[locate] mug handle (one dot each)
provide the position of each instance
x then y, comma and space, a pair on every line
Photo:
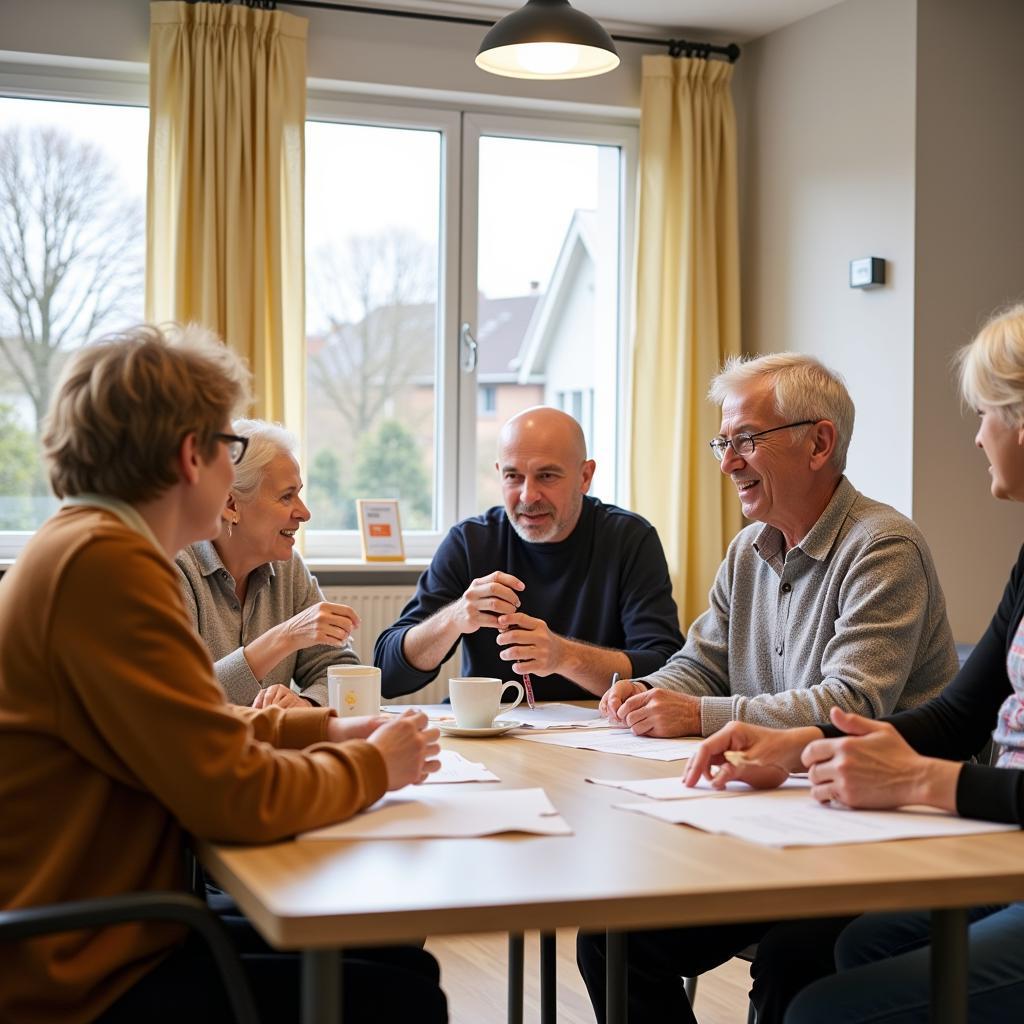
503, 708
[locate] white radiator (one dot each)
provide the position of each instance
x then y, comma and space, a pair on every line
378, 608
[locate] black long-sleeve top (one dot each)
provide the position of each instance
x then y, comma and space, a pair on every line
607, 583
956, 724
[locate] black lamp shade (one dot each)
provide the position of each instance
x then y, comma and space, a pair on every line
547, 39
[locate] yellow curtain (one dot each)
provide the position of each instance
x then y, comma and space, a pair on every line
687, 315
224, 238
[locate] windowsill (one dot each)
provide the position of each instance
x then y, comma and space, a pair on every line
343, 565
340, 567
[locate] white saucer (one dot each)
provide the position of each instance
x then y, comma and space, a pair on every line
493, 730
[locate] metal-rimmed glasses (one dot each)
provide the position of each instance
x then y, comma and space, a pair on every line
236, 446
743, 444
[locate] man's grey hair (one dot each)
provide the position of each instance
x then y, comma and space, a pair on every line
805, 389
266, 442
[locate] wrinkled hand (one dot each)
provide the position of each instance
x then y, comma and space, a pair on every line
410, 750
661, 713
323, 623
530, 644
486, 599
358, 727
283, 696
871, 767
613, 697
776, 750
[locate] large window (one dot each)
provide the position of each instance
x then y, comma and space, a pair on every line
460, 268
72, 205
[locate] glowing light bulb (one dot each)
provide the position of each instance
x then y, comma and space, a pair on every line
547, 58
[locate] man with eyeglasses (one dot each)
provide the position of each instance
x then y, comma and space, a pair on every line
828, 599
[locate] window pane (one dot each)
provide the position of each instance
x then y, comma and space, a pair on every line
72, 230
372, 249
547, 313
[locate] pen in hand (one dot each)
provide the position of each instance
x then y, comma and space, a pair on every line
528, 687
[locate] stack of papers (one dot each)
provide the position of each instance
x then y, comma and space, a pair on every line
672, 788
556, 716
621, 741
420, 812
793, 819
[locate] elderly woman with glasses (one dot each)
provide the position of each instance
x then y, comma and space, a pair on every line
924, 756
116, 742
251, 597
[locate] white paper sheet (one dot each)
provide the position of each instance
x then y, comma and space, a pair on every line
620, 741
556, 716
433, 812
435, 712
456, 768
672, 788
794, 819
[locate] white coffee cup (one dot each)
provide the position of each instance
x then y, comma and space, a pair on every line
476, 700
354, 689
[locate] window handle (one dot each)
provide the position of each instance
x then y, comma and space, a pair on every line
467, 349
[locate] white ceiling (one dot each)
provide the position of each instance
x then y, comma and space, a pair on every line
740, 20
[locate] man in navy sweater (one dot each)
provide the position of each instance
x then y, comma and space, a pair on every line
556, 583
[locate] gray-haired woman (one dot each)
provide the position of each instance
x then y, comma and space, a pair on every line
253, 601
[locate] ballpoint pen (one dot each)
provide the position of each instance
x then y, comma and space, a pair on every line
528, 687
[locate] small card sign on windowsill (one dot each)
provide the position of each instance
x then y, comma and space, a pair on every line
380, 530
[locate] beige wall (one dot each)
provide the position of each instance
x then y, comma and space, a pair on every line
970, 259
892, 128
826, 115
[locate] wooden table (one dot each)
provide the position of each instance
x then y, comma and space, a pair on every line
618, 871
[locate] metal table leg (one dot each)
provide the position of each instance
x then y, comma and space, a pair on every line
615, 978
949, 967
321, 986
548, 989
515, 978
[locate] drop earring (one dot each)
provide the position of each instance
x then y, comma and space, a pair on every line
230, 526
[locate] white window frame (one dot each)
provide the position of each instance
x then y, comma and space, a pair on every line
28, 76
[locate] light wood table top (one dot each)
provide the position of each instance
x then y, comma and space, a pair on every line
619, 870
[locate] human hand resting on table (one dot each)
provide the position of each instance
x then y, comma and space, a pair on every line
873, 766
614, 696
661, 713
769, 755
530, 644
410, 750
283, 696
485, 600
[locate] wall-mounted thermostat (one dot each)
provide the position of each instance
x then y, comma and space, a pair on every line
867, 273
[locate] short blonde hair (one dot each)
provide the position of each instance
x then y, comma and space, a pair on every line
124, 404
266, 442
991, 367
805, 389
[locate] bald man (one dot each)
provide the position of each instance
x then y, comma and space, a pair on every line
555, 583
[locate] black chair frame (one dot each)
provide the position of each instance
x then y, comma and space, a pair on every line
31, 922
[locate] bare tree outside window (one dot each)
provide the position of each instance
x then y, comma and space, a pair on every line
71, 259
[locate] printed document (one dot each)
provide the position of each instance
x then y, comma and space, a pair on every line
794, 819
672, 788
620, 741
434, 812
456, 768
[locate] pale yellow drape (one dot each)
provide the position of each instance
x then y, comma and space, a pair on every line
687, 315
224, 239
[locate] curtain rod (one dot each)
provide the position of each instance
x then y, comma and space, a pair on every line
676, 47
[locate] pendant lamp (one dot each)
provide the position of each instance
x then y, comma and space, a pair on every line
547, 39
